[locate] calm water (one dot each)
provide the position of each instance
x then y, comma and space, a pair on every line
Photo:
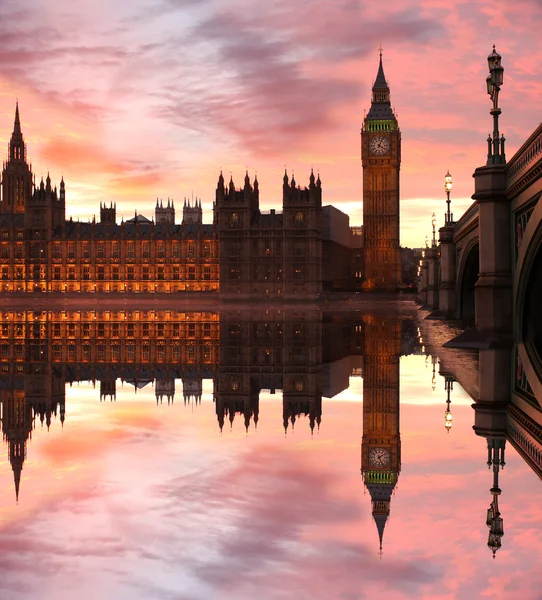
267, 454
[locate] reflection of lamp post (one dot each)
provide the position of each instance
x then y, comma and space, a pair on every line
448, 217
434, 378
434, 224
448, 386
494, 521
495, 146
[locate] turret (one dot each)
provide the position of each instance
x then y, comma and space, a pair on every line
108, 214
192, 212
164, 214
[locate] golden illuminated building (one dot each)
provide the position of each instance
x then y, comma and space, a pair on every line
381, 160
244, 252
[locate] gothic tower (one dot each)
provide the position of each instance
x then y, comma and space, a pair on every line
381, 160
192, 212
164, 214
381, 442
16, 174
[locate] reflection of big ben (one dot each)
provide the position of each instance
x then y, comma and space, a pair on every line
381, 160
381, 442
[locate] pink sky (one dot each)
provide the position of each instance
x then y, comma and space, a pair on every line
134, 500
146, 99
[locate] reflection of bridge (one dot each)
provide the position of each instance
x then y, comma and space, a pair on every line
506, 408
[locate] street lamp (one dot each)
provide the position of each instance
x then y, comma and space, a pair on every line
448, 218
434, 224
494, 81
448, 386
426, 244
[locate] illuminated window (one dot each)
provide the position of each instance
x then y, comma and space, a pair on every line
101, 250
191, 352
234, 221
299, 219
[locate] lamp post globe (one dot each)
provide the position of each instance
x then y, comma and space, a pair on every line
448, 217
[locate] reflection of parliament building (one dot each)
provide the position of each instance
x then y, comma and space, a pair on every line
300, 251
307, 355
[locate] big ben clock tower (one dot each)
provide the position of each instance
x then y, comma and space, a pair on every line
381, 442
381, 160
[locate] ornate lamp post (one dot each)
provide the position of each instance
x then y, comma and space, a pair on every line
434, 224
494, 81
434, 378
448, 386
448, 217
494, 521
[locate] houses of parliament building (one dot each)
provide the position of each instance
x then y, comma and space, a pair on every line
244, 252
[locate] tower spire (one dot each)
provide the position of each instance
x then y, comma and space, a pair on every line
381, 91
17, 124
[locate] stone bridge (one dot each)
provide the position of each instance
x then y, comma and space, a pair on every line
486, 269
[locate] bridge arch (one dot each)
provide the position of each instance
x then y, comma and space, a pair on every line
529, 293
467, 278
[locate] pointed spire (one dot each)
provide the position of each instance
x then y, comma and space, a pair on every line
285, 178
17, 478
380, 521
17, 124
380, 81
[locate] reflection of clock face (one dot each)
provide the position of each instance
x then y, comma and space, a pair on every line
378, 457
379, 145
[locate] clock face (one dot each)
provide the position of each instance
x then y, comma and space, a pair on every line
379, 145
378, 457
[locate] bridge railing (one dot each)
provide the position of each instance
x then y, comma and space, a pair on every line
524, 158
467, 218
